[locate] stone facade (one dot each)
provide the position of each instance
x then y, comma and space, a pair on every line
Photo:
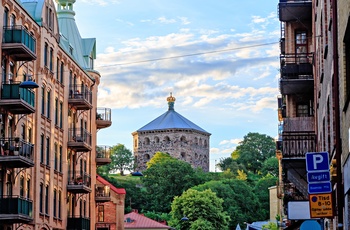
174, 134
187, 145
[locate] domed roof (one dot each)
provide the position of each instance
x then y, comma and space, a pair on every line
171, 120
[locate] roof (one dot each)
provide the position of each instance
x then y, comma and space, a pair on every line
171, 120
113, 188
134, 220
71, 41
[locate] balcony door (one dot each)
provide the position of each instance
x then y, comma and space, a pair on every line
301, 47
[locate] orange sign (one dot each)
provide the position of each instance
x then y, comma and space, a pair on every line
321, 205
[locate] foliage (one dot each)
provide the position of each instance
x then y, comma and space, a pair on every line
122, 159
270, 166
261, 190
202, 208
241, 175
239, 200
158, 216
165, 180
158, 157
270, 226
254, 150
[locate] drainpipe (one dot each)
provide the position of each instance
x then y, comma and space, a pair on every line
338, 145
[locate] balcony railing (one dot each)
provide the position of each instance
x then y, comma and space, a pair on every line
102, 193
16, 153
14, 209
299, 124
80, 97
297, 144
103, 118
19, 43
78, 222
294, 10
17, 100
79, 182
103, 155
79, 139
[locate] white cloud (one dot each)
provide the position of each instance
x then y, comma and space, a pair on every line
231, 141
166, 20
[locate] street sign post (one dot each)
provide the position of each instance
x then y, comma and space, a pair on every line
321, 187
321, 205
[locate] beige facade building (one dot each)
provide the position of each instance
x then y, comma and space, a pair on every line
48, 127
174, 134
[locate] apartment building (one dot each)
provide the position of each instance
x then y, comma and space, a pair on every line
327, 33
297, 131
48, 118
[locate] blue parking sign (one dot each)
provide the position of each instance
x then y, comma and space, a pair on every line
317, 161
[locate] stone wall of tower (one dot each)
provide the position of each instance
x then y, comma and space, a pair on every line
187, 145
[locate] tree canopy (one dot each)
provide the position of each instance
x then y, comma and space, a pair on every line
202, 208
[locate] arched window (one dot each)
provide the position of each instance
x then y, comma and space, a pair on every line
183, 139
156, 140
147, 141
147, 157
166, 139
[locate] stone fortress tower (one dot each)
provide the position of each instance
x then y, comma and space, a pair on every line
174, 134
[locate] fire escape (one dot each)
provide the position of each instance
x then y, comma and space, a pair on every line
295, 105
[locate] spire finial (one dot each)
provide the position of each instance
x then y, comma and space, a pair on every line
171, 101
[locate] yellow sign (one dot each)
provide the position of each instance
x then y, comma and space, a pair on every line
321, 205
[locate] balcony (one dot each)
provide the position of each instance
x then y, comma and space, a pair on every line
296, 73
17, 100
80, 97
79, 140
19, 43
103, 155
79, 182
15, 210
102, 193
294, 10
16, 153
103, 118
78, 222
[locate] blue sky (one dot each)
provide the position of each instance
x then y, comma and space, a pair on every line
219, 58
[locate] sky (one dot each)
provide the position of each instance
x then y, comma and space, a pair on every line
219, 59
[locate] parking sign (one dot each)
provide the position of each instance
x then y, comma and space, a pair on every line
317, 161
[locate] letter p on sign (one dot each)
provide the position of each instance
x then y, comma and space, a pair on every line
317, 161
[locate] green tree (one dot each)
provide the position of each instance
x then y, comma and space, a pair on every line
202, 208
240, 202
166, 179
158, 157
122, 159
254, 150
270, 226
261, 190
270, 166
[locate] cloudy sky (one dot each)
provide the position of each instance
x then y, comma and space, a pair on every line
219, 58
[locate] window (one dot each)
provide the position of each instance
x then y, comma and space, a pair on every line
60, 158
21, 187
12, 20
54, 203
41, 194
48, 104
28, 188
56, 111
56, 157
51, 59
61, 72
61, 114
23, 132
43, 100
9, 184
30, 135
6, 16
47, 200
59, 203
48, 151
42, 148
46, 50
57, 69
347, 61
147, 141
302, 110
100, 213
301, 46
